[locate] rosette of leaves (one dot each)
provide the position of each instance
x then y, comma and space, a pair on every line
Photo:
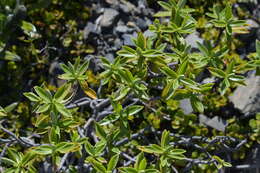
47, 103
165, 151
77, 73
19, 162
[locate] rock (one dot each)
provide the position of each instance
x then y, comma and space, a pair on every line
128, 7
112, 1
109, 17
110, 57
149, 33
252, 23
121, 29
127, 39
141, 23
192, 39
54, 71
216, 122
118, 43
90, 28
186, 106
247, 98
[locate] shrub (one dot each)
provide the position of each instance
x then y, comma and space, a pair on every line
134, 123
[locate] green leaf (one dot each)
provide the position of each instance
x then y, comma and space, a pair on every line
125, 76
226, 164
131, 110
105, 61
169, 72
224, 85
89, 148
228, 12
43, 108
237, 23
183, 67
178, 151
203, 49
3, 113
181, 3
122, 93
129, 49
217, 72
32, 97
142, 164
257, 43
28, 28
66, 68
100, 131
170, 88
11, 107
62, 109
97, 165
125, 53
141, 41
99, 147
28, 157
113, 162
165, 138
54, 134
44, 94
230, 67
165, 5
196, 104
139, 158
109, 119
8, 161
14, 155
10, 56
43, 150
128, 170
190, 83
83, 68
153, 148
176, 156
62, 92
236, 78
151, 171
162, 14
229, 29
66, 147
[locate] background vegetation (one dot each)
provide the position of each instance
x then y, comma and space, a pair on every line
127, 115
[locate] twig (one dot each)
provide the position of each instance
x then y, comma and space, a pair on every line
63, 160
25, 143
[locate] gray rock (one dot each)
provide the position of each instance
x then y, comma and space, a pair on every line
90, 28
112, 1
247, 98
141, 23
118, 43
252, 23
149, 33
109, 17
110, 57
128, 7
121, 29
127, 39
191, 39
54, 71
186, 106
216, 122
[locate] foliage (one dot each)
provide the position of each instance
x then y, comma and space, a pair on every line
133, 122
